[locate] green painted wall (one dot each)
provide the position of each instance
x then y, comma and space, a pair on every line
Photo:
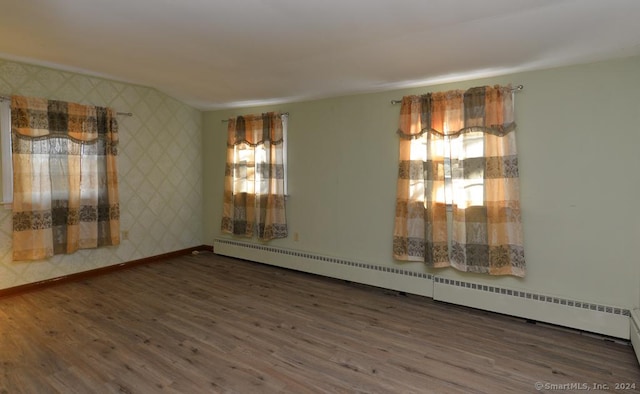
577, 138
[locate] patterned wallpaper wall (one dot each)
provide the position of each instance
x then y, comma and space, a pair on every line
159, 165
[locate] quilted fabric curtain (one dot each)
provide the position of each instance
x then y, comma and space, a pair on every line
65, 194
458, 195
254, 186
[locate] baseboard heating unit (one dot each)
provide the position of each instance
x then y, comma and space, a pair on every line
601, 319
634, 334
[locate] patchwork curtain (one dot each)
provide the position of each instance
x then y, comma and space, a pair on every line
254, 185
65, 194
458, 196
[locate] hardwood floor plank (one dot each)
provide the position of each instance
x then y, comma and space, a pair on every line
205, 323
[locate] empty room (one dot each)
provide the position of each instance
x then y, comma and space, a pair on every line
278, 196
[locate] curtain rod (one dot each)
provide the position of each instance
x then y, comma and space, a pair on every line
5, 97
226, 120
516, 89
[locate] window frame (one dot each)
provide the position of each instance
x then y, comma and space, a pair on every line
5, 151
285, 165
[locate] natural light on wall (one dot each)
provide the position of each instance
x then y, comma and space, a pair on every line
5, 151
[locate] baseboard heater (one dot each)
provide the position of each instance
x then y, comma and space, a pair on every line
634, 328
601, 319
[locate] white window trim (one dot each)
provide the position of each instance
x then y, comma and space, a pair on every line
285, 125
5, 151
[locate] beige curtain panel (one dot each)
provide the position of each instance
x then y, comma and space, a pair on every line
254, 188
458, 195
65, 194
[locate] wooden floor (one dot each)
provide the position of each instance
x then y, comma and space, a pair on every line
200, 324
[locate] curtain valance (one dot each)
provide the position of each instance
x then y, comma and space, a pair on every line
37, 118
487, 109
256, 129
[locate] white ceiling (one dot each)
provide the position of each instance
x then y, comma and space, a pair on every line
218, 54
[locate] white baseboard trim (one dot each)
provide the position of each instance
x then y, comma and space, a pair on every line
601, 319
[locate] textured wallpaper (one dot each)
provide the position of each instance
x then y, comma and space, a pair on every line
159, 166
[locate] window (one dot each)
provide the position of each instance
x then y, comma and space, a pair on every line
466, 189
255, 176
251, 165
454, 152
458, 196
5, 150
65, 180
